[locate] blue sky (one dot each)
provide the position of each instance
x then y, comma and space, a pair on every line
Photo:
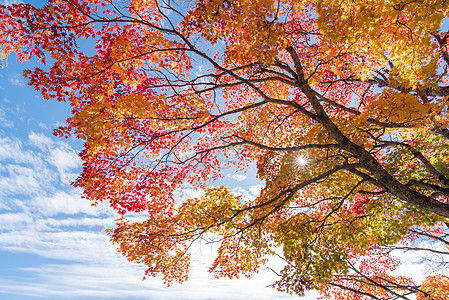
52, 242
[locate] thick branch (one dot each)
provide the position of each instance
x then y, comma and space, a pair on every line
367, 160
439, 92
430, 168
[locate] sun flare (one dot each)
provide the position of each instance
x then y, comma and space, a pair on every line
301, 161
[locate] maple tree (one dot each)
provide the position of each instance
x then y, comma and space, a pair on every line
342, 106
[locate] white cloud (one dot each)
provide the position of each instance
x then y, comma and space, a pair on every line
64, 160
95, 269
18, 179
16, 80
255, 189
76, 222
239, 191
77, 246
237, 177
63, 203
9, 2
5, 122
123, 281
11, 149
185, 193
40, 140
59, 154
43, 126
419, 264
12, 221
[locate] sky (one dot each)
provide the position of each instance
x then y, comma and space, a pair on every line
52, 241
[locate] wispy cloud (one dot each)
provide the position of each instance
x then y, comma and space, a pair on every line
62, 202
16, 79
9, 2
18, 178
11, 149
3, 121
40, 141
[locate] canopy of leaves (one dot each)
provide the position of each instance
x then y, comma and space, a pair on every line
341, 105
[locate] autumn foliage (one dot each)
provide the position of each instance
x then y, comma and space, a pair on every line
341, 105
